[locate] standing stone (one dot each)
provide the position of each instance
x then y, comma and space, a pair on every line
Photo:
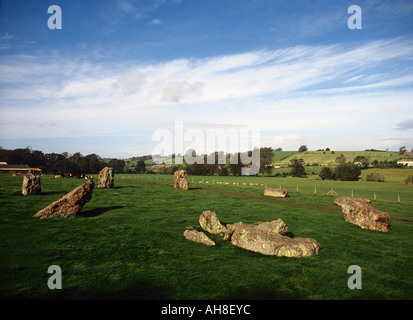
360, 212
106, 178
281, 193
180, 180
70, 204
208, 221
31, 184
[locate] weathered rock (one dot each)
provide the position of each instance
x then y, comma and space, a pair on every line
275, 226
180, 180
31, 184
264, 241
209, 221
198, 236
70, 204
106, 178
360, 212
280, 192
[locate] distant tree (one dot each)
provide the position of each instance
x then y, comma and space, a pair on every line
402, 150
117, 165
364, 161
140, 167
302, 148
326, 174
223, 171
347, 171
327, 149
340, 159
235, 165
281, 149
94, 163
126, 169
297, 168
266, 156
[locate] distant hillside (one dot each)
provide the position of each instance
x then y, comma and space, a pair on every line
320, 158
328, 158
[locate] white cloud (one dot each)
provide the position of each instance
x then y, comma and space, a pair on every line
156, 22
6, 37
293, 95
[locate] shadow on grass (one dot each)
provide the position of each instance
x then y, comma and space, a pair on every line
140, 290
19, 193
97, 211
53, 192
263, 293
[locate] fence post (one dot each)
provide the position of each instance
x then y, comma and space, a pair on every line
315, 189
375, 196
398, 198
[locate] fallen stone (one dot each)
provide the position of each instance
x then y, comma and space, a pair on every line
360, 212
180, 180
106, 178
70, 204
264, 241
31, 184
209, 221
280, 192
198, 236
275, 226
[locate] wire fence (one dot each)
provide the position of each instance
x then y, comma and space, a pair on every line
374, 191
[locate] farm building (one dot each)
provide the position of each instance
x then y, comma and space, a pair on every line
405, 162
14, 168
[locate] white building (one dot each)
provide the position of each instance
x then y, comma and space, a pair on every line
405, 162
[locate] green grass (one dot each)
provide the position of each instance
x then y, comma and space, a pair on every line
128, 241
390, 175
329, 158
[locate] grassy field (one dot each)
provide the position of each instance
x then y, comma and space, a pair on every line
329, 158
128, 242
390, 175
313, 159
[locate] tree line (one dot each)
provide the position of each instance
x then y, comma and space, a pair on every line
211, 165
77, 164
60, 163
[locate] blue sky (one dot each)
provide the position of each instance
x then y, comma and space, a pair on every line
119, 70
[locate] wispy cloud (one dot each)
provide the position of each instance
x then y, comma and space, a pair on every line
140, 8
156, 22
289, 93
4, 41
405, 125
